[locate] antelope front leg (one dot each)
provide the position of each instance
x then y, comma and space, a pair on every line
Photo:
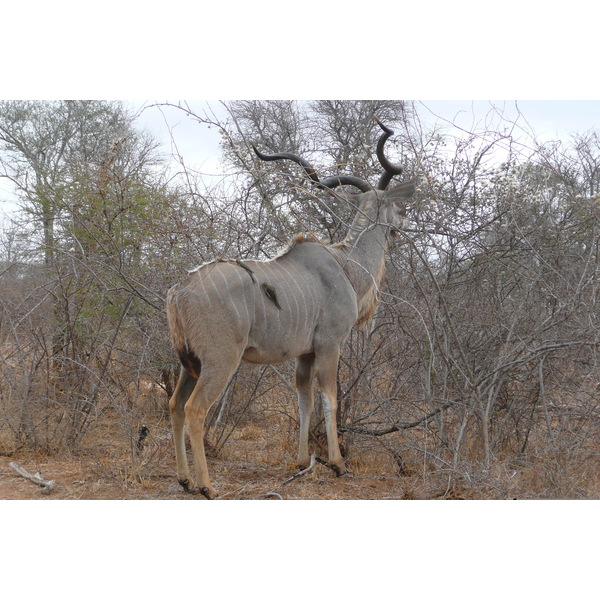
304, 379
326, 370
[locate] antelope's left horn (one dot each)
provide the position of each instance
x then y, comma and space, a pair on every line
391, 169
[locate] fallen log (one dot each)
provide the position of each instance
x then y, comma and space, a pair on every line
47, 484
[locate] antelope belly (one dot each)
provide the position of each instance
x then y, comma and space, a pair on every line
276, 351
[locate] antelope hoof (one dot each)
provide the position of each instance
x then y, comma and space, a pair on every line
185, 484
209, 493
340, 471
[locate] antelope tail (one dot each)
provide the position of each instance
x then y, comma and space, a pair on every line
189, 360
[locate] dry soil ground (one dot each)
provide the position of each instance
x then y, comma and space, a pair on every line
240, 472
87, 478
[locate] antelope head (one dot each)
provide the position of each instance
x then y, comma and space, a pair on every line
375, 204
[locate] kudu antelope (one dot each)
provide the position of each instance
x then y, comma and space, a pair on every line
301, 304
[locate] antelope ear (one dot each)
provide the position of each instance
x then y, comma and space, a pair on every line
402, 191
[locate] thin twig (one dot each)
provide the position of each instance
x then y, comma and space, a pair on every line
273, 492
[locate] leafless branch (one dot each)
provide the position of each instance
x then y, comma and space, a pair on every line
398, 426
47, 484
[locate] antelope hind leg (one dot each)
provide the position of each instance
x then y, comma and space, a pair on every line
213, 379
195, 412
184, 388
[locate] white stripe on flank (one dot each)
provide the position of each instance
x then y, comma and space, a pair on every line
233, 302
261, 295
240, 275
204, 292
210, 277
287, 280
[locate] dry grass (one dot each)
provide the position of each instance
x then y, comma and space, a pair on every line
259, 454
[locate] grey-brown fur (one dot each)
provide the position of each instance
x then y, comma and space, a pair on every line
300, 305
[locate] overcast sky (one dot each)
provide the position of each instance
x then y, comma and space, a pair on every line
544, 119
